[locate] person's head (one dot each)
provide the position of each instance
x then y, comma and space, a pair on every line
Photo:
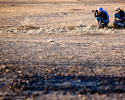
100, 9
117, 9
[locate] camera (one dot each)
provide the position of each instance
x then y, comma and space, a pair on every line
95, 11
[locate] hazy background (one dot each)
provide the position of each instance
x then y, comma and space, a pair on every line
55, 13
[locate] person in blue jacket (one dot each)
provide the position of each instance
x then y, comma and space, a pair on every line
102, 17
119, 16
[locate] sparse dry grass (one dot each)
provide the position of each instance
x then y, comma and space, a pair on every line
27, 22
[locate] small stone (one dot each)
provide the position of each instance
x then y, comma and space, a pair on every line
24, 31
12, 31
84, 98
50, 40
6, 60
29, 99
103, 96
31, 31
19, 72
31, 75
79, 95
7, 71
15, 76
27, 82
2, 66
10, 87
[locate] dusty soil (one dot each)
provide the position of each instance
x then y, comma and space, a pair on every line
54, 13
67, 67
62, 55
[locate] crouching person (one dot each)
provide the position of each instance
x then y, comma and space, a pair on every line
119, 17
102, 17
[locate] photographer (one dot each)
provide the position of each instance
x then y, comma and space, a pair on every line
102, 17
119, 17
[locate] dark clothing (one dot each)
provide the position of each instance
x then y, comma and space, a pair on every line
119, 24
120, 16
122, 13
102, 15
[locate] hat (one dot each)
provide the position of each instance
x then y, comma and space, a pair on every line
100, 9
117, 9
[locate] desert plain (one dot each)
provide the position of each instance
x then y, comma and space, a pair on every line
52, 50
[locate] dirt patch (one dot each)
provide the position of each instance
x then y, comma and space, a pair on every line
62, 13
58, 53
33, 67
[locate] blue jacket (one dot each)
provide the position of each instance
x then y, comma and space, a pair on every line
104, 15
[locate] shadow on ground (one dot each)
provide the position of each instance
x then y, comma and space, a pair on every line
26, 83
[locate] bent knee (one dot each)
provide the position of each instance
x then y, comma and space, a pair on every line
98, 18
116, 22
